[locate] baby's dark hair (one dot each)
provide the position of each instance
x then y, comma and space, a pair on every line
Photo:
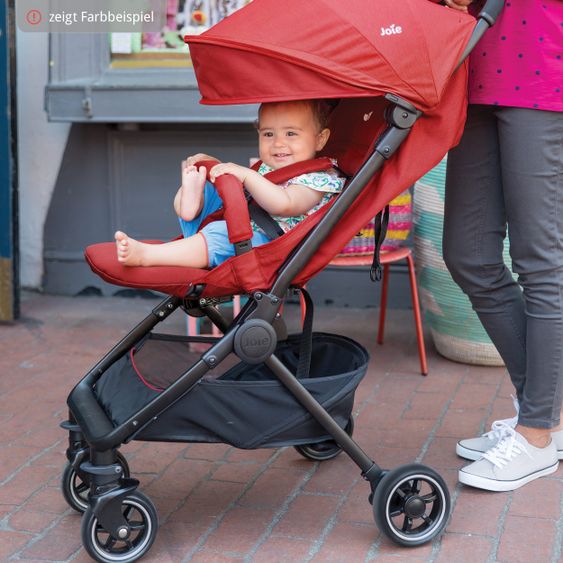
321, 110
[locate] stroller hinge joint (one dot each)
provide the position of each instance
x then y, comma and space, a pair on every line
255, 341
267, 306
373, 474
167, 307
402, 114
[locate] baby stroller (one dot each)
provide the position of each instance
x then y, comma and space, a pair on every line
391, 65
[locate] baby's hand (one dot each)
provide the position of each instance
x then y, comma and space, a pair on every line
240, 172
199, 157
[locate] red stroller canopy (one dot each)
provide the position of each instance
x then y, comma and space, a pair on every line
295, 49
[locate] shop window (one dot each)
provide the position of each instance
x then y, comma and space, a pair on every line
166, 48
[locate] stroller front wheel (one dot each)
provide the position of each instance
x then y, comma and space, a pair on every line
323, 451
142, 520
75, 484
411, 504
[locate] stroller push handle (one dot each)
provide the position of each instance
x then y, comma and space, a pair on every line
491, 11
487, 18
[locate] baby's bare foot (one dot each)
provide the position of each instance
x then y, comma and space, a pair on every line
191, 192
130, 252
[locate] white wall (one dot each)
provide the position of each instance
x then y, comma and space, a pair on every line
40, 150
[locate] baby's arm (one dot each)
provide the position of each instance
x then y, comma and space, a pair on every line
291, 201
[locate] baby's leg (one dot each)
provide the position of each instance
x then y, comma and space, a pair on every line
189, 252
191, 191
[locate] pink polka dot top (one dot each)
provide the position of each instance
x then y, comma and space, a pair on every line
518, 62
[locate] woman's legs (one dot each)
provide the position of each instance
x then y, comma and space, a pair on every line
474, 231
532, 168
508, 169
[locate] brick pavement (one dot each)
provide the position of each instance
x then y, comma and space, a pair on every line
216, 503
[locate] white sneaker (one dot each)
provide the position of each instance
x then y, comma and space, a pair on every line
511, 463
474, 448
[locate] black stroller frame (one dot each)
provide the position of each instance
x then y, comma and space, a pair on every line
411, 503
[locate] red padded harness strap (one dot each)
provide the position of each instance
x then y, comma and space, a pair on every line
305, 167
235, 206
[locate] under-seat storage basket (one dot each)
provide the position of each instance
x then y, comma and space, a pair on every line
246, 406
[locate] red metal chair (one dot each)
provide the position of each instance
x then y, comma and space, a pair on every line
387, 258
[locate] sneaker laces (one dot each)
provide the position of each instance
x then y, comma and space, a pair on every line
507, 448
498, 427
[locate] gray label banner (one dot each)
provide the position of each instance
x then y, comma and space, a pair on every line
102, 16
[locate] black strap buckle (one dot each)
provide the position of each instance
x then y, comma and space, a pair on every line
243, 247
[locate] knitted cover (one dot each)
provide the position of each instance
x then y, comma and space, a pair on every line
400, 225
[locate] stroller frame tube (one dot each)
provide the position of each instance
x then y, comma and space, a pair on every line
362, 460
487, 18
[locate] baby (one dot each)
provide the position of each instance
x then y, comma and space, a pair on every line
288, 132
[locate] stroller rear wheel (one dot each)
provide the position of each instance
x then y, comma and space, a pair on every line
328, 449
75, 484
142, 520
411, 504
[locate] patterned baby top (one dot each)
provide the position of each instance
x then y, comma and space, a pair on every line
327, 181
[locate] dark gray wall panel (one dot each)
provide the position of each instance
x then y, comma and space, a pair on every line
113, 178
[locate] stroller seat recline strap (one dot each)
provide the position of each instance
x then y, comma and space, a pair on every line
265, 221
306, 346
380, 231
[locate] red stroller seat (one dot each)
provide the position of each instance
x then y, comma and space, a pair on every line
356, 125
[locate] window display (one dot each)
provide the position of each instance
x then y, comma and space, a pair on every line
166, 47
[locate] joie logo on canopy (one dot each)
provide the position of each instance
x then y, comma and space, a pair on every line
391, 30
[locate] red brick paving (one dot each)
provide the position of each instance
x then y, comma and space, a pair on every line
220, 504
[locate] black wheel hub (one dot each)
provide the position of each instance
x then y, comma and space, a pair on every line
414, 507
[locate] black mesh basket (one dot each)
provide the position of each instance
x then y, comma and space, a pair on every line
246, 406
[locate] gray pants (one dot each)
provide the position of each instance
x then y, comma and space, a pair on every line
508, 170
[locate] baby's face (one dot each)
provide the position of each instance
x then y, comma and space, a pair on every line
288, 133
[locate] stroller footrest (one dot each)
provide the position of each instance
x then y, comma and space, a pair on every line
94, 422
